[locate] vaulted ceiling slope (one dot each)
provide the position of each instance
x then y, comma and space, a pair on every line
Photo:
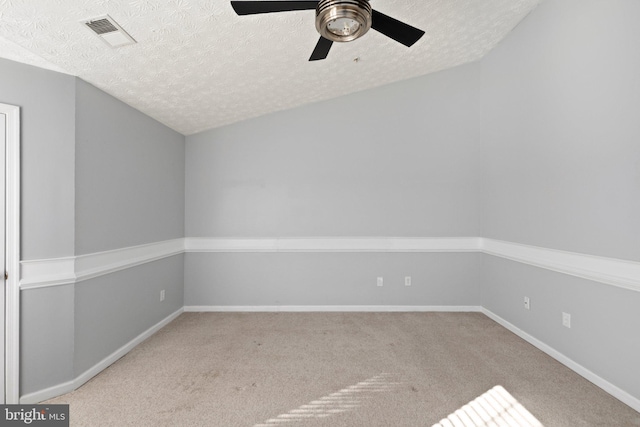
197, 65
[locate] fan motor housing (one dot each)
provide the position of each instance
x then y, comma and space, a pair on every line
343, 20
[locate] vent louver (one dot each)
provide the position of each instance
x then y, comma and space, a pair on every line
102, 26
109, 31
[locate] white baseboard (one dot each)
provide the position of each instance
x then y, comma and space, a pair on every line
332, 308
81, 379
48, 393
613, 390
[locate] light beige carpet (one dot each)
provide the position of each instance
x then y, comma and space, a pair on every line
333, 369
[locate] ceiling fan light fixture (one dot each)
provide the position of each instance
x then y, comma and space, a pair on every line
343, 20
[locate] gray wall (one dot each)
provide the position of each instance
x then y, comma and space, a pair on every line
47, 107
129, 191
399, 160
604, 319
94, 171
129, 169
112, 310
561, 169
560, 130
46, 337
331, 279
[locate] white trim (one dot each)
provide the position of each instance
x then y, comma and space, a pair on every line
41, 273
611, 271
81, 379
12, 253
331, 308
334, 244
48, 393
68, 270
613, 390
100, 263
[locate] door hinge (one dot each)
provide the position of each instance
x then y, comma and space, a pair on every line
6, 276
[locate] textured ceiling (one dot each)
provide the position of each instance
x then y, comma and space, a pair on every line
197, 65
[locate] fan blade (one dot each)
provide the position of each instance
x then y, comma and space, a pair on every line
399, 31
254, 7
322, 49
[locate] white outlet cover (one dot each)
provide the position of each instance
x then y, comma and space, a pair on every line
527, 303
566, 320
407, 281
380, 281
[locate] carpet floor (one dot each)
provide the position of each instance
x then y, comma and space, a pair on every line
336, 369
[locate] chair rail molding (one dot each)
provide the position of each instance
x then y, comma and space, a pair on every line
67, 270
611, 271
334, 244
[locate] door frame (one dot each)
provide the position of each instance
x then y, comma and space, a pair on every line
12, 254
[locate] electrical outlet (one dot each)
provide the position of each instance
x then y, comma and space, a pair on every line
380, 281
566, 320
527, 303
407, 281
162, 295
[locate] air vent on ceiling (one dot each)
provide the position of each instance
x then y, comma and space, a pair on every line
109, 31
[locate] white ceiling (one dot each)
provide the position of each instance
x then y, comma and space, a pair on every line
197, 65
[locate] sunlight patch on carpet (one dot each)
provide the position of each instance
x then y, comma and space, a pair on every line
344, 400
492, 409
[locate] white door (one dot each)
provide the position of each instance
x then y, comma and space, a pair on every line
3, 140
9, 253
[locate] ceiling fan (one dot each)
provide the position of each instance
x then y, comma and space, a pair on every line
337, 21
